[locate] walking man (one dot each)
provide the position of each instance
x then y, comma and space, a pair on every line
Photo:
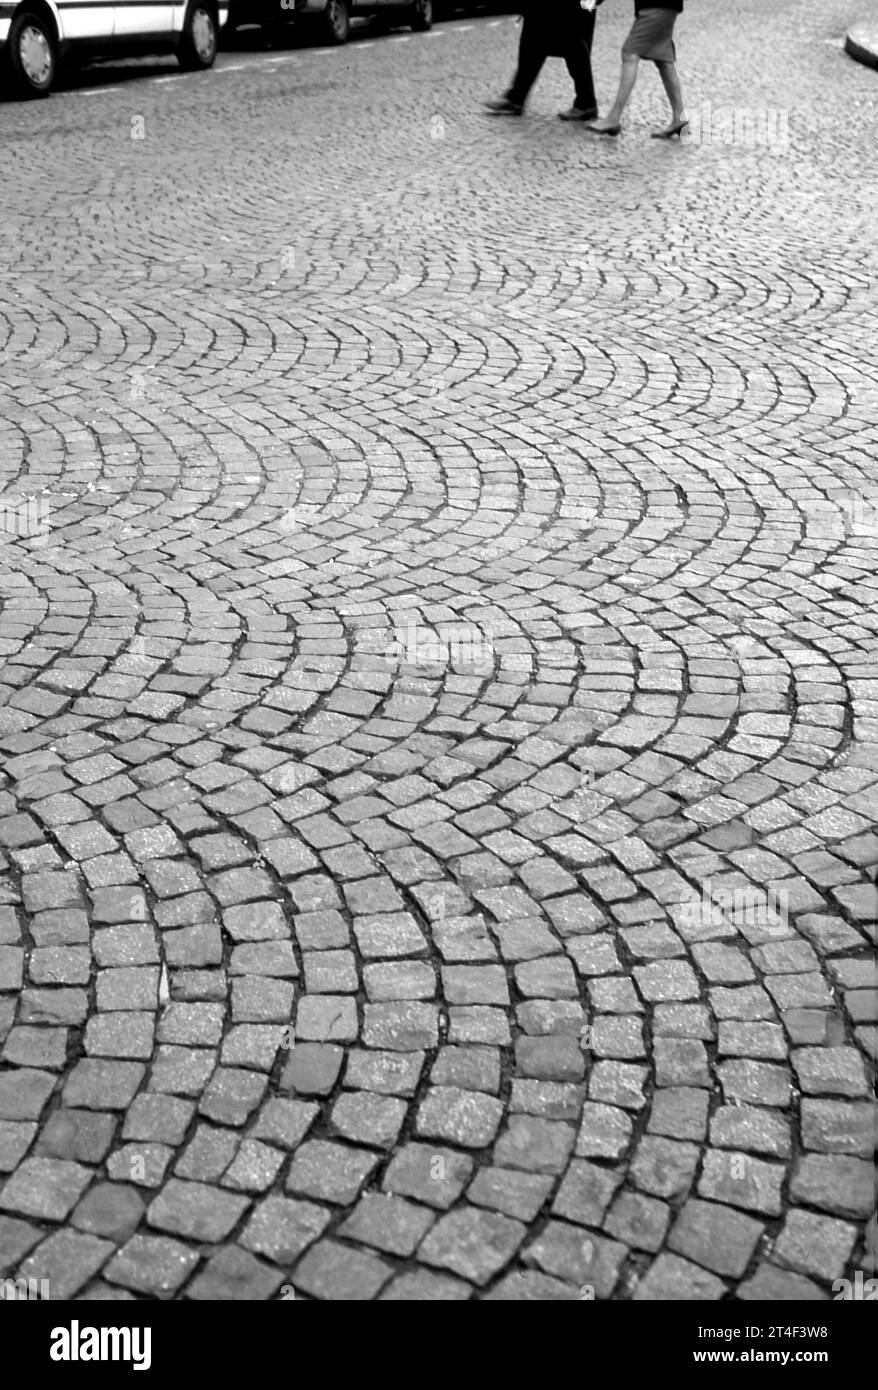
554, 29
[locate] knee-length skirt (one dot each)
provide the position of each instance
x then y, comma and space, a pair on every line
652, 36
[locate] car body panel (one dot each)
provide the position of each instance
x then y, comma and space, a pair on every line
267, 11
144, 19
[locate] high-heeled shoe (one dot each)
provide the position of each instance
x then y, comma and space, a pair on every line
603, 130
676, 129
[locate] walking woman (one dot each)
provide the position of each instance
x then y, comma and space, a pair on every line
553, 28
652, 37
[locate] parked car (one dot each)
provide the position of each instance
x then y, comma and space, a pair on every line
329, 20
35, 35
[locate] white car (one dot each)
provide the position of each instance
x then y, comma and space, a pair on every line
35, 34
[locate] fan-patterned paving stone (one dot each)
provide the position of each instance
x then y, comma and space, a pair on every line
438, 675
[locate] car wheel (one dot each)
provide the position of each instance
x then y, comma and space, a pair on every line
32, 54
200, 38
335, 22
421, 15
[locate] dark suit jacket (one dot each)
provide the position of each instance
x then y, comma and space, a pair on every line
559, 23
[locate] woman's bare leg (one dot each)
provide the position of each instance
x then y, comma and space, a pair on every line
671, 80
630, 64
668, 74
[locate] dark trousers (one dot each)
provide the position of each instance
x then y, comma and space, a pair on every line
535, 48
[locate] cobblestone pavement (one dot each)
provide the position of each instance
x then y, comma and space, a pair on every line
440, 684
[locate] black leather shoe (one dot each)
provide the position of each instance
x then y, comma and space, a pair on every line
576, 113
502, 106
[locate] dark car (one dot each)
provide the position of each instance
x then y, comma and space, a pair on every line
329, 20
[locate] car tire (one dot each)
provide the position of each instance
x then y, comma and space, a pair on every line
199, 41
32, 55
421, 16
335, 22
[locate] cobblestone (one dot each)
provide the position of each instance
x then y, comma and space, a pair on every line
67, 1260
438, 738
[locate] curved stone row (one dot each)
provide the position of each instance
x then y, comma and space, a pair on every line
438, 705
